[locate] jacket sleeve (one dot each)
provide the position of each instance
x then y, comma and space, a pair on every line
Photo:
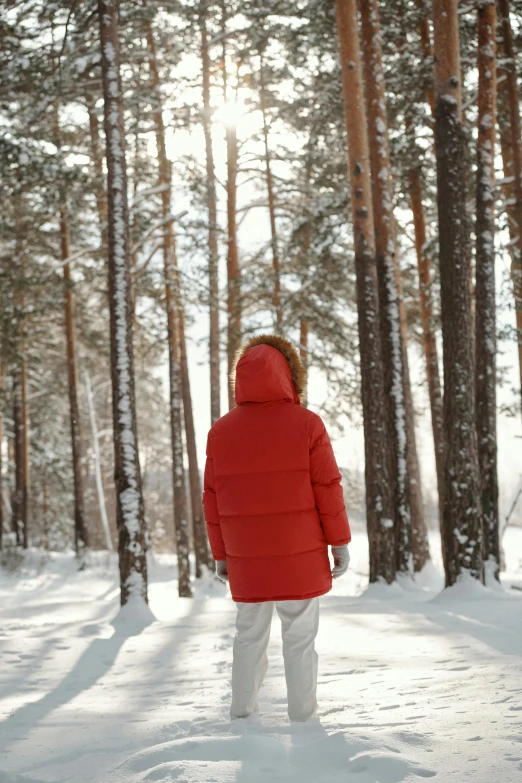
211, 511
326, 483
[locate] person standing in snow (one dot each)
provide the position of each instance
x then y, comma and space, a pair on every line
273, 504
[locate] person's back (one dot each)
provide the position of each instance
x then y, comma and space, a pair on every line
273, 502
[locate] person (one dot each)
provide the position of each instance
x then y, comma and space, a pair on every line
273, 504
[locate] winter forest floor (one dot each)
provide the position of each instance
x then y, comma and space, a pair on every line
412, 684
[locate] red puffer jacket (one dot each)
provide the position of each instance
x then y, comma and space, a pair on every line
272, 496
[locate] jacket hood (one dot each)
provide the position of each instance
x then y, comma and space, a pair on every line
267, 368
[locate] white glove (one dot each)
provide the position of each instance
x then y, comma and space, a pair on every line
221, 570
341, 558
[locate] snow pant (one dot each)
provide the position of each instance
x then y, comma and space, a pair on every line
299, 622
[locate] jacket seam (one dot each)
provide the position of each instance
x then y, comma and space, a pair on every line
268, 513
282, 554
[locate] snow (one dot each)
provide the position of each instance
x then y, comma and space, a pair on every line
412, 684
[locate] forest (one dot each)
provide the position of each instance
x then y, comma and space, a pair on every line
334, 184
178, 176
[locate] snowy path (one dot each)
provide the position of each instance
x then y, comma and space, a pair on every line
410, 687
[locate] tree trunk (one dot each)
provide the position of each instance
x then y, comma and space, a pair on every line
462, 517
81, 538
424, 274
392, 342
379, 500
509, 71
213, 259
132, 545
97, 464
97, 162
428, 331
485, 318
233, 269
2, 379
276, 297
173, 282
20, 518
304, 329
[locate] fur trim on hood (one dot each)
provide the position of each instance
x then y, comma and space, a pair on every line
283, 346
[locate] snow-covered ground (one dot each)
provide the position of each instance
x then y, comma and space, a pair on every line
413, 684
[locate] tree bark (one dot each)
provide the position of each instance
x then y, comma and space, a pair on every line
392, 342
379, 500
509, 72
213, 258
276, 266
233, 268
100, 193
485, 318
2, 379
462, 516
132, 546
81, 537
424, 275
97, 464
173, 282
20, 506
304, 330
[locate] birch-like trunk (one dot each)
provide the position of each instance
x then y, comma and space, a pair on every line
81, 537
276, 265
97, 463
462, 515
213, 258
509, 73
173, 283
485, 317
132, 546
379, 499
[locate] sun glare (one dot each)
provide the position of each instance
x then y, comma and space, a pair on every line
230, 113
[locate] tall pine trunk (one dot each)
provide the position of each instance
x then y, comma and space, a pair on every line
304, 330
379, 499
276, 265
213, 258
172, 279
2, 499
396, 375
485, 318
425, 276
512, 93
20, 505
428, 330
132, 546
81, 538
233, 268
100, 193
462, 518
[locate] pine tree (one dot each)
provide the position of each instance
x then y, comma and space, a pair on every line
379, 503
462, 518
485, 322
129, 499
392, 338
211, 198
509, 77
234, 306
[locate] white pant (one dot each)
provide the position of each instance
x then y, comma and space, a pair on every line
300, 622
